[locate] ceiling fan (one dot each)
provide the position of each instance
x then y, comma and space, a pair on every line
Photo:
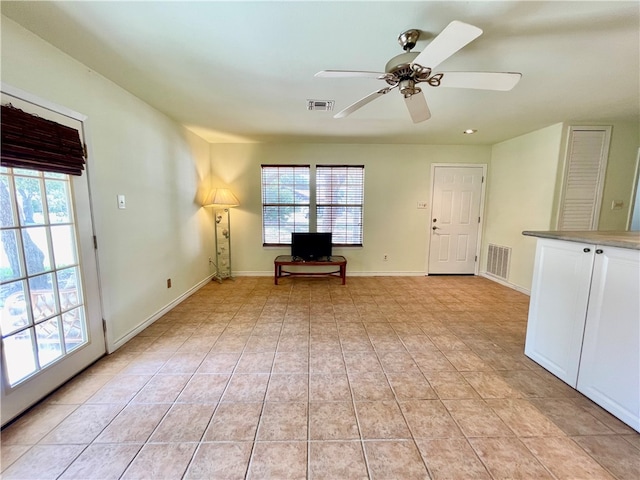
407, 70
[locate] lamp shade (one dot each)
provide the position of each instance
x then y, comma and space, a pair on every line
221, 198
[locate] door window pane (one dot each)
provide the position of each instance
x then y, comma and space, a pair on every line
58, 201
20, 349
68, 288
75, 331
7, 212
10, 258
29, 194
64, 242
48, 337
14, 313
36, 249
43, 298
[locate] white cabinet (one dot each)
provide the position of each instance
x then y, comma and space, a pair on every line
610, 362
584, 321
558, 306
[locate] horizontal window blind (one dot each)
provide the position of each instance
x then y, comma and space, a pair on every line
285, 202
339, 202
35, 143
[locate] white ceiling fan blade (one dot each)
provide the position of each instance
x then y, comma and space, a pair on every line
418, 108
454, 36
348, 74
362, 102
502, 81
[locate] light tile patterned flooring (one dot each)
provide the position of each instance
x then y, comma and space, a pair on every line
383, 378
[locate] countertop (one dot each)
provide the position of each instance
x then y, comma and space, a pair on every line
609, 238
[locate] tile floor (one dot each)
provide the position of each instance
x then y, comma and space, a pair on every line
383, 378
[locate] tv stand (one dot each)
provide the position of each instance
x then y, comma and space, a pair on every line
287, 260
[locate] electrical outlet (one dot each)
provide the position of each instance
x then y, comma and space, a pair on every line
385, 257
210, 261
168, 283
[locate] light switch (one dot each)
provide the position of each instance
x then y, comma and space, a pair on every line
422, 204
121, 202
617, 204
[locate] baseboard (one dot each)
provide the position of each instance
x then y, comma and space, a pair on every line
349, 274
506, 284
122, 340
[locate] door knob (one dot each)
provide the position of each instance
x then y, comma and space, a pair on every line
435, 228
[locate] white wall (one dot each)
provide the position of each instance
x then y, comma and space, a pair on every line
135, 150
397, 177
621, 171
522, 184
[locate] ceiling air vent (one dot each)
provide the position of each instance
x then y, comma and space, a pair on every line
321, 105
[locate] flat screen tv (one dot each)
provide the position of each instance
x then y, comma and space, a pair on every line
311, 246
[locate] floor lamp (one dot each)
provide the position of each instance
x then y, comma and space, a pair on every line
221, 200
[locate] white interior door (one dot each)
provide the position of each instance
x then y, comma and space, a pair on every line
456, 198
50, 316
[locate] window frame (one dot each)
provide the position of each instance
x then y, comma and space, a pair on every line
279, 204
313, 205
352, 201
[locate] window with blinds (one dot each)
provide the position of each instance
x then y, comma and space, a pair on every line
288, 203
285, 202
339, 202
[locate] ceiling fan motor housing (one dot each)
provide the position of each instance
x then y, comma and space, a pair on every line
401, 67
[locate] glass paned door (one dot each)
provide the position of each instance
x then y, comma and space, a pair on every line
42, 309
50, 318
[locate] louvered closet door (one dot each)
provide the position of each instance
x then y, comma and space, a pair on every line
584, 178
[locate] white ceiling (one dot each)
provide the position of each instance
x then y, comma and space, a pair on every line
243, 71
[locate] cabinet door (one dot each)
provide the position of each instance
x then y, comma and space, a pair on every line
610, 365
558, 306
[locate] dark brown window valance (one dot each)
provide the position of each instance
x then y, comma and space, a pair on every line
29, 141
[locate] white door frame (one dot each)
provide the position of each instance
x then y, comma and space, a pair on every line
57, 374
482, 202
634, 200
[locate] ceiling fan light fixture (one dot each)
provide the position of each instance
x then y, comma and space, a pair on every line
408, 88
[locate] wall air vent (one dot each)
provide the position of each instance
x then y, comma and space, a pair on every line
321, 105
498, 261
